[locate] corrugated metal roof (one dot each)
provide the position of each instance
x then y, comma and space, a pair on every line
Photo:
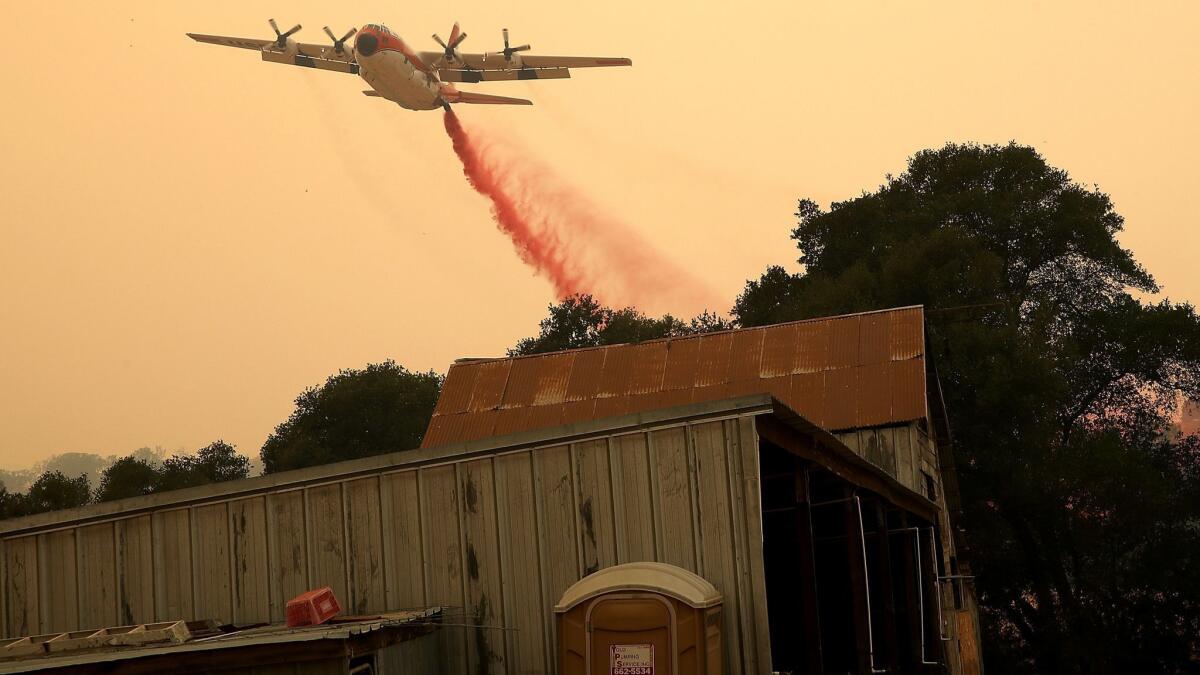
840, 372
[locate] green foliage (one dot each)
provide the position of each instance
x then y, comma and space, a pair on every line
127, 477
356, 413
216, 462
581, 321
1081, 512
53, 491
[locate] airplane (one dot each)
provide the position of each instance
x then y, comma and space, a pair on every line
414, 80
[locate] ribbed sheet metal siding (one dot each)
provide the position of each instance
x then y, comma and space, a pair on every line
845, 372
498, 537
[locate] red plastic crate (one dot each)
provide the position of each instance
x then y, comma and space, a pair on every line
312, 607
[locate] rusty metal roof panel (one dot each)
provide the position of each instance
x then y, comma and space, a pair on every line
618, 371
522, 382
584, 381
682, 356
874, 395
812, 347
875, 339
807, 395
456, 390
489, 385
649, 366
907, 333
746, 354
841, 373
779, 350
841, 398
611, 406
511, 420
843, 337
713, 364
907, 383
578, 411
552, 378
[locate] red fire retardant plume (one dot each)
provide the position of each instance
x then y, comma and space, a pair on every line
567, 239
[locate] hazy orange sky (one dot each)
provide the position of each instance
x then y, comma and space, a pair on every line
191, 236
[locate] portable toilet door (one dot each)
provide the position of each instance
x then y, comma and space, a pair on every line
640, 619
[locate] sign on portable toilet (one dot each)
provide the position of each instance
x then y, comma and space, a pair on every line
640, 618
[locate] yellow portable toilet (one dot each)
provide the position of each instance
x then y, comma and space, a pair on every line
640, 618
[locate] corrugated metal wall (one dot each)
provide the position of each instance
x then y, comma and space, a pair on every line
499, 536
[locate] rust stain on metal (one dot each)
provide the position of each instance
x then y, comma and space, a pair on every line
489, 385
682, 356
552, 378
584, 380
713, 365
841, 373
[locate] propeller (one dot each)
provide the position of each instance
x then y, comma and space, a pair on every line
450, 49
281, 38
508, 52
339, 45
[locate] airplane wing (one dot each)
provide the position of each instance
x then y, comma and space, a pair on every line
454, 75
322, 57
498, 62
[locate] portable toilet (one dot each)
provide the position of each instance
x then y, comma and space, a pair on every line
641, 618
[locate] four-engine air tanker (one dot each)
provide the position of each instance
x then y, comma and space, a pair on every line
415, 80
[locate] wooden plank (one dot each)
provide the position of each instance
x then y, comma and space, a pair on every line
58, 591
251, 569
325, 527
135, 571
555, 493
594, 483
287, 549
97, 576
676, 542
887, 644
443, 569
21, 587
905, 471
365, 548
519, 546
751, 537
717, 540
172, 564
402, 542
211, 566
631, 491
485, 602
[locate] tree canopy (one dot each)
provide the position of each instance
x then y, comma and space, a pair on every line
1081, 510
581, 321
357, 413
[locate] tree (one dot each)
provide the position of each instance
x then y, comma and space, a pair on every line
127, 477
356, 413
1081, 511
214, 463
53, 491
581, 321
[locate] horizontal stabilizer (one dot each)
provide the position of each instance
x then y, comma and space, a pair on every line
371, 92
472, 97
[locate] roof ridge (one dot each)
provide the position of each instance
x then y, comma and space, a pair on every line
574, 350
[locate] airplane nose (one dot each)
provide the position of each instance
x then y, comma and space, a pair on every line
366, 44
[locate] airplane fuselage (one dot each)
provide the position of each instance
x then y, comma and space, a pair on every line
394, 71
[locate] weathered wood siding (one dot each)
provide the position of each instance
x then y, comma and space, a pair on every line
496, 537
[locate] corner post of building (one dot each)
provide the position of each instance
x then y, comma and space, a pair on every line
886, 644
857, 569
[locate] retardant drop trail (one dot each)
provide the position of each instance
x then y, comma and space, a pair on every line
566, 238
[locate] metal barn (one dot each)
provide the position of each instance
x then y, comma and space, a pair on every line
833, 551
